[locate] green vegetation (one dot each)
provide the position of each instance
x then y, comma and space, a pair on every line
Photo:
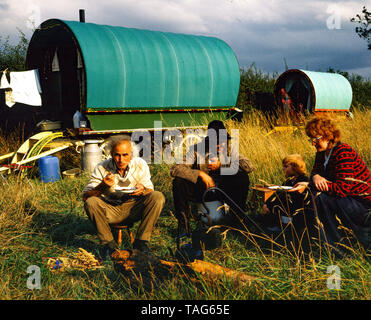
13, 57
255, 83
364, 25
39, 221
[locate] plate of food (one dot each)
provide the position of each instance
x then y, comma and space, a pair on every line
280, 187
125, 189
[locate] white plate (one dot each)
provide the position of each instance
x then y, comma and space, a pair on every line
125, 189
280, 187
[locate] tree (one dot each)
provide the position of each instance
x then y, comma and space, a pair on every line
364, 31
13, 57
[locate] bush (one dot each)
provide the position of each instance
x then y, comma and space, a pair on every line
256, 89
13, 57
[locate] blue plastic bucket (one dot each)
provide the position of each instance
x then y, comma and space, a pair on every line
49, 169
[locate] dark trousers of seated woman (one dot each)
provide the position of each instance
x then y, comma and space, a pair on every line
185, 192
343, 219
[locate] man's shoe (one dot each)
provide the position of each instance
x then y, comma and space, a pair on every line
141, 245
182, 230
107, 249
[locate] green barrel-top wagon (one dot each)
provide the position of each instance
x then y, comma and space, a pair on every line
123, 79
300, 93
314, 92
100, 80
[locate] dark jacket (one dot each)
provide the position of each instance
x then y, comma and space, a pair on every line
197, 159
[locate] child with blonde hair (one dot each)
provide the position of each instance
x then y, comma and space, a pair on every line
279, 209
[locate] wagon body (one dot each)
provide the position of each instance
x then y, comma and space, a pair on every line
124, 78
317, 92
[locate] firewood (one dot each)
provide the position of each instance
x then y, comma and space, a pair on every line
213, 271
136, 261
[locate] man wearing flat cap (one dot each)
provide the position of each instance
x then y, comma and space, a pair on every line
210, 163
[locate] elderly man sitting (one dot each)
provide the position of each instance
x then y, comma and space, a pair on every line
105, 205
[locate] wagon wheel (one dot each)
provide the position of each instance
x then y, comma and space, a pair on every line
106, 154
187, 141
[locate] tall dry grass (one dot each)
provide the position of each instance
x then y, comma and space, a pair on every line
266, 151
47, 220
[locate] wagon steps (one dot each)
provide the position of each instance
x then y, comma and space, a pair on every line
32, 149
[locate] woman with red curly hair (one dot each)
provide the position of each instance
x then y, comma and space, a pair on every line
340, 181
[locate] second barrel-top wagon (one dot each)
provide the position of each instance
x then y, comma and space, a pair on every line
313, 92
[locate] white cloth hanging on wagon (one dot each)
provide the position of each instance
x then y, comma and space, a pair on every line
4, 84
26, 87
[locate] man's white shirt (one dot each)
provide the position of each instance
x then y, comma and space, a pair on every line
137, 172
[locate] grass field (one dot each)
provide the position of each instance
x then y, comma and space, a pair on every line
39, 221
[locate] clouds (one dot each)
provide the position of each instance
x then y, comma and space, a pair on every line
314, 33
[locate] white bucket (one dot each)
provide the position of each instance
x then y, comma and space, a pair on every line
216, 211
71, 173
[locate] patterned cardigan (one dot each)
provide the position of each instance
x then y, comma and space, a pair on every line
347, 173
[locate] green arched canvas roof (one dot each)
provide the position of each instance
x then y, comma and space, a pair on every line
329, 91
132, 68
332, 90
